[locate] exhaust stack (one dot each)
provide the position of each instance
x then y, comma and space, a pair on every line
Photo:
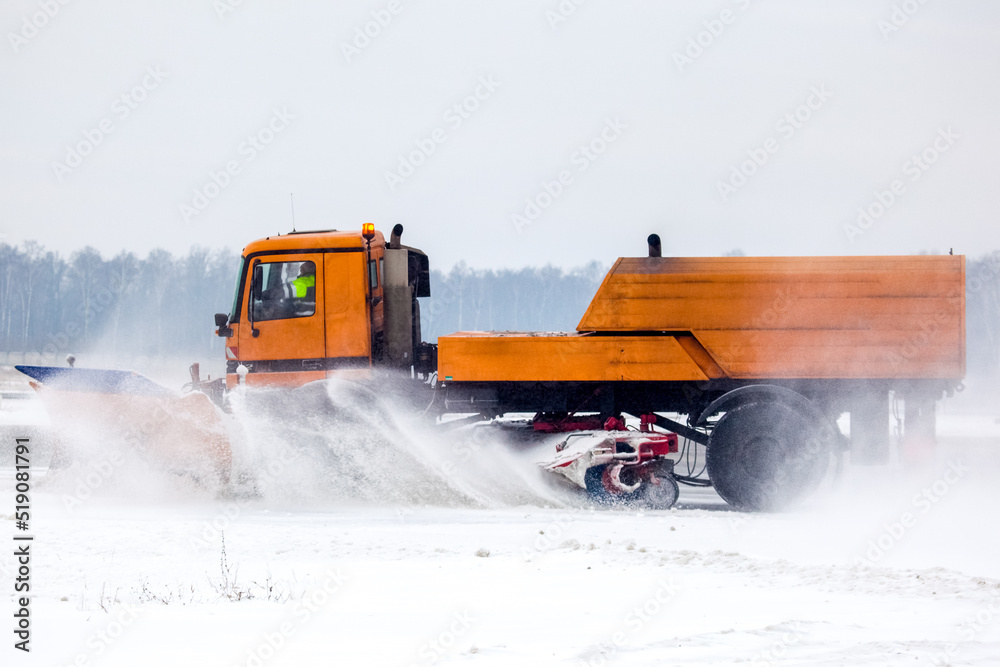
397, 232
654, 245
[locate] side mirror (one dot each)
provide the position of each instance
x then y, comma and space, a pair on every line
221, 320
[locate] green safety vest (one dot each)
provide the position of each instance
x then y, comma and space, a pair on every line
303, 283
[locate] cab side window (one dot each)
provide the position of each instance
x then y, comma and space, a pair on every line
283, 290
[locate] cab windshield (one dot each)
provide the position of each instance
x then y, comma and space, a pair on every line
234, 314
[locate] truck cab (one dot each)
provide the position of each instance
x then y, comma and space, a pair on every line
320, 304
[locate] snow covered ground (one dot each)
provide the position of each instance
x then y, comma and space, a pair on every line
491, 566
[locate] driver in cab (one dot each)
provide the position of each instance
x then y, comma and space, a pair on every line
295, 298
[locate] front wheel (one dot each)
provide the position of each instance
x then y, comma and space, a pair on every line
767, 455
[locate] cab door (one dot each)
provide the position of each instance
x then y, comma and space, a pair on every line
282, 338
348, 314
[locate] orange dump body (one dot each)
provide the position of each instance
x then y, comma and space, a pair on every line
742, 318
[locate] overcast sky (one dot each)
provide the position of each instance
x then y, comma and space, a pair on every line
505, 133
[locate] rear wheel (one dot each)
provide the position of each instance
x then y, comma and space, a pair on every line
767, 455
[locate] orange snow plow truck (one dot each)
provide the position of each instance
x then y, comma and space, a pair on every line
753, 357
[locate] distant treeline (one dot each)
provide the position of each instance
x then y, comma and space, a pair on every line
982, 315
162, 305
546, 299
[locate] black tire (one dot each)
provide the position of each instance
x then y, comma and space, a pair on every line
767, 455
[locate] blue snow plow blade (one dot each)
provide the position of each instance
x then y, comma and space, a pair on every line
94, 380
